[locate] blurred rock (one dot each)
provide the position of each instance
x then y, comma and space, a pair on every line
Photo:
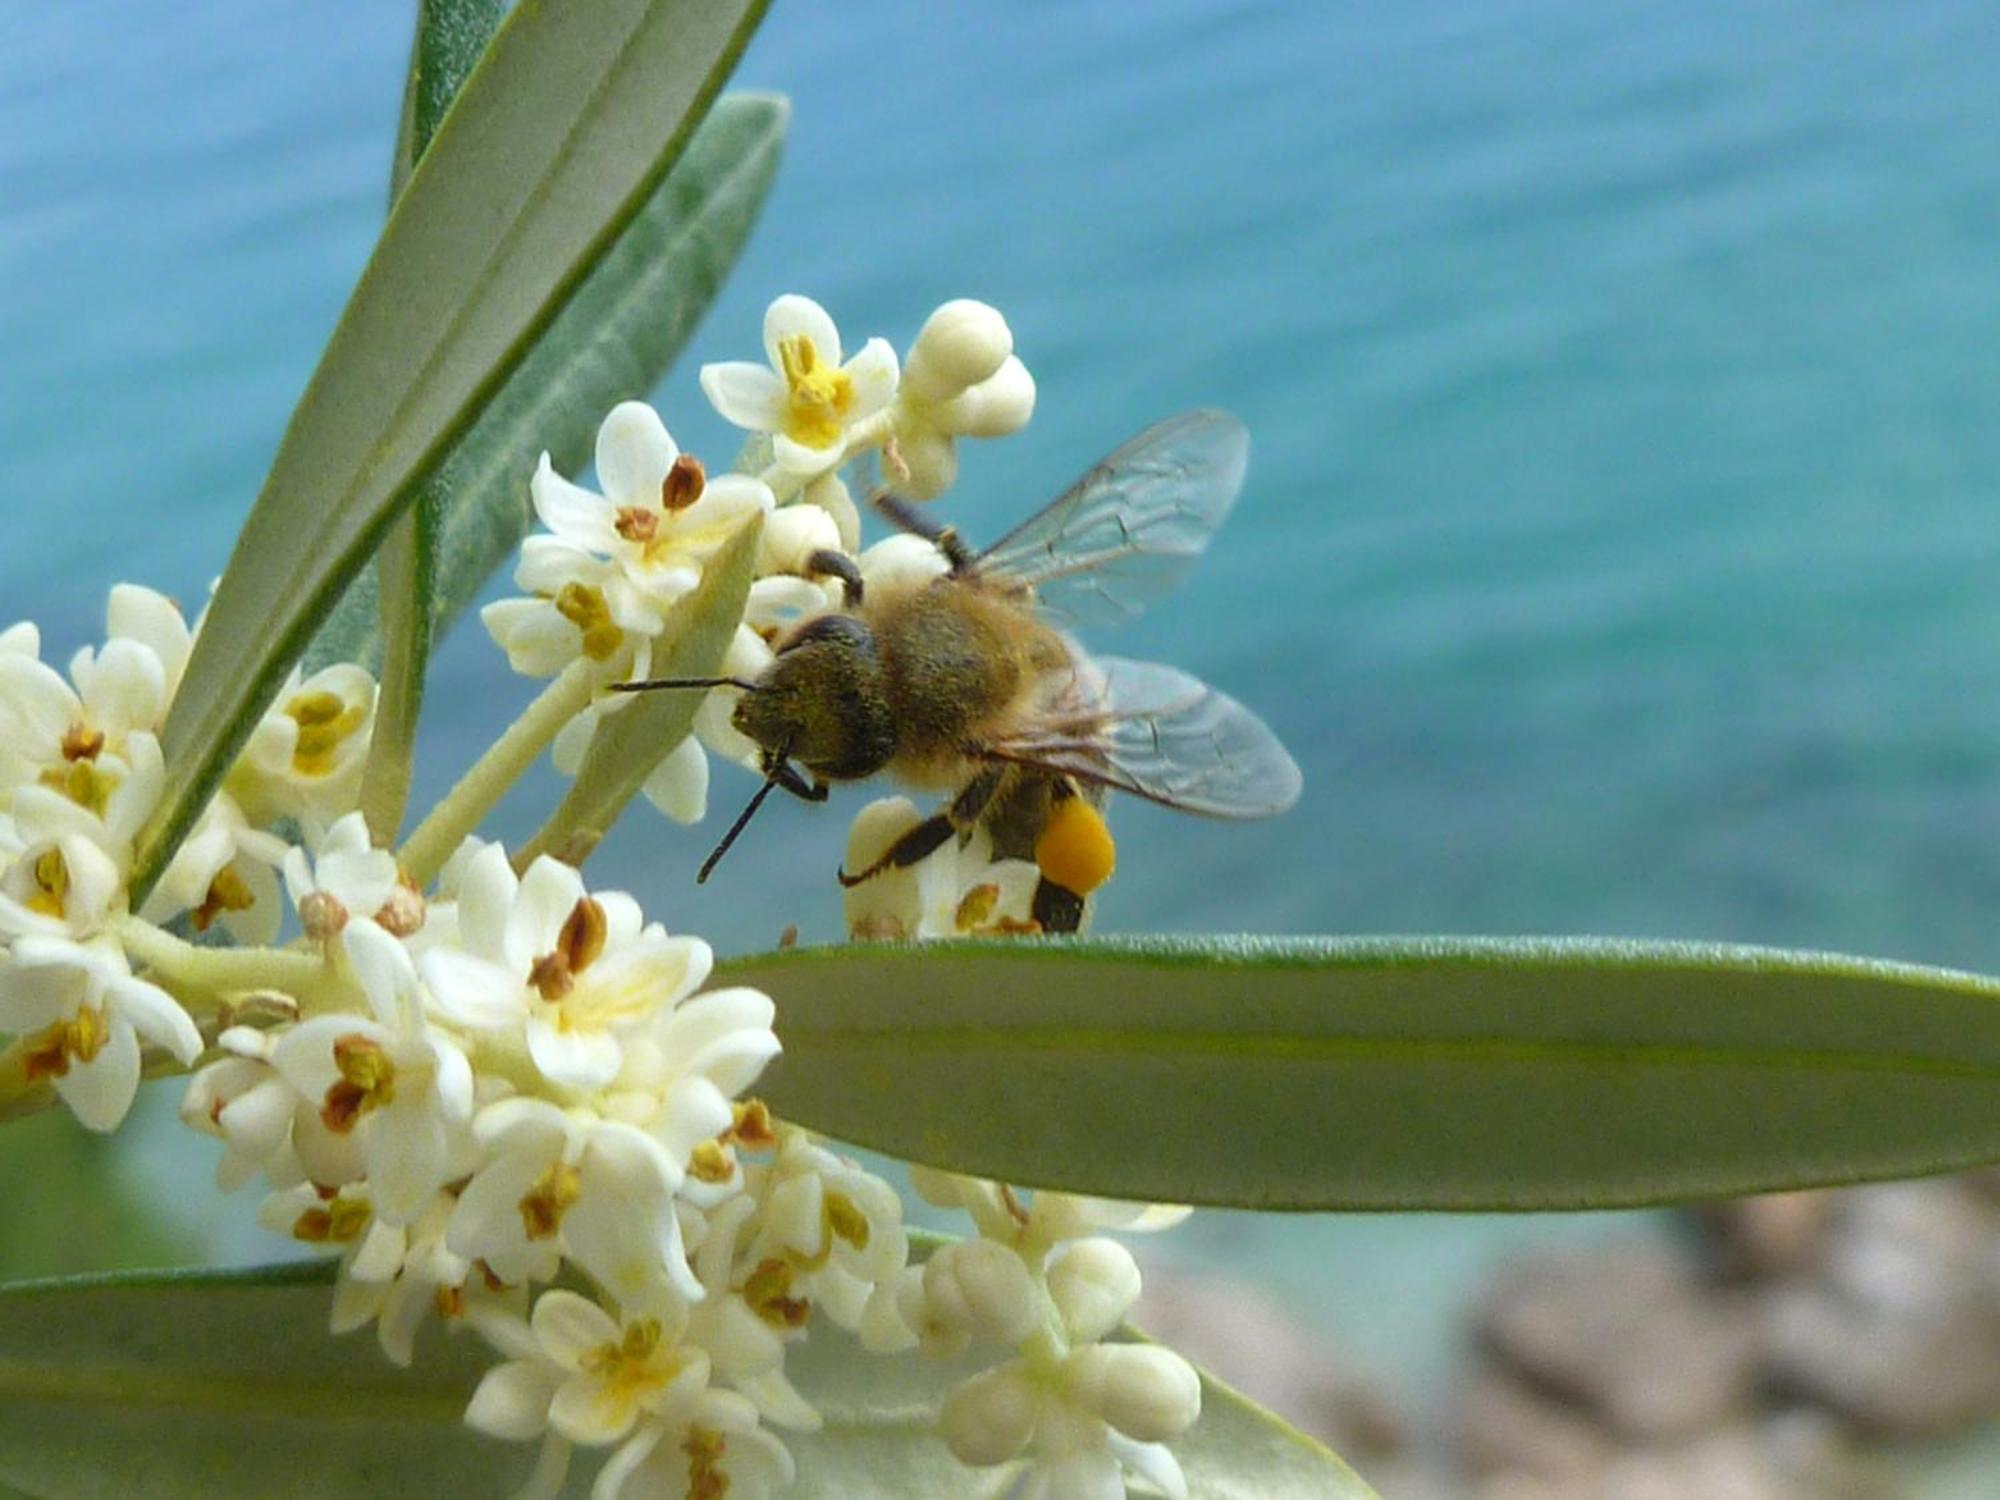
1247, 1339
1507, 1428
1765, 1238
1627, 1332
1772, 1461
1900, 1330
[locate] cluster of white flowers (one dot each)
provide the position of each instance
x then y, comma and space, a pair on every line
471, 1090
80, 773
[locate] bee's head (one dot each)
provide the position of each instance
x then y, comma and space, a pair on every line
823, 701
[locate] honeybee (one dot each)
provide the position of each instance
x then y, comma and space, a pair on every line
968, 684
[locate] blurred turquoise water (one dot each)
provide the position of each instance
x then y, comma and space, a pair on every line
1620, 549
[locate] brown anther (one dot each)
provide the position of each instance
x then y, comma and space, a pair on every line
789, 938
577, 948
227, 892
403, 913
486, 1274
704, 1447
976, 907
1013, 1205
451, 1302
684, 483
81, 742
637, 523
751, 1125
322, 916
367, 1079
554, 1192
768, 1293
45, 1055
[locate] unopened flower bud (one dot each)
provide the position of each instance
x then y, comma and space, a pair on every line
1148, 1393
982, 1288
928, 460
1094, 1284
995, 407
791, 535
961, 344
989, 1418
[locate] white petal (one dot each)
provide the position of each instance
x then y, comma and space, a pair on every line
678, 785
578, 1059
512, 1402
468, 991
634, 453
750, 396
569, 1327
387, 977
486, 891
1152, 1462
874, 373
573, 513
151, 619
549, 892
625, 1464
157, 1017
127, 688
99, 1092
797, 458
791, 315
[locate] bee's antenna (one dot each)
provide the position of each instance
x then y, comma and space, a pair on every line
648, 684
742, 819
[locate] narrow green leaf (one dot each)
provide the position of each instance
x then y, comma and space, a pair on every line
616, 339
569, 122
1426, 1073
219, 1384
631, 742
451, 35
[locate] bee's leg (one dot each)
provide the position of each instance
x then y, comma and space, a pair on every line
906, 517
827, 563
919, 843
1056, 908
787, 776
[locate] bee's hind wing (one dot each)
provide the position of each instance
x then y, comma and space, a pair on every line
1159, 733
1126, 533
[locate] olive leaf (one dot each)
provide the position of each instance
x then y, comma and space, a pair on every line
1419, 1073
568, 124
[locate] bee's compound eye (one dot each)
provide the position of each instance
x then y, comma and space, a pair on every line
1075, 850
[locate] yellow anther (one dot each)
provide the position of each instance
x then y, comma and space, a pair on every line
584, 607
845, 1221
339, 1222
704, 1447
227, 892
49, 1052
81, 742
975, 908
325, 721
769, 1295
367, 1080
1075, 849
820, 395
83, 783
549, 1199
710, 1163
51, 876
751, 1125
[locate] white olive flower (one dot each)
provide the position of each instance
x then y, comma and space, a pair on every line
81, 1015
717, 1449
805, 398
952, 892
962, 379
831, 1234
349, 881
106, 797
72, 735
400, 1087
556, 1182
611, 565
225, 871
266, 1127
304, 759
65, 886
581, 972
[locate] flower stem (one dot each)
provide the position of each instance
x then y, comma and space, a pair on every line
203, 978
447, 825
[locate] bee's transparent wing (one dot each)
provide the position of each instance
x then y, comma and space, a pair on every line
1158, 733
1126, 534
